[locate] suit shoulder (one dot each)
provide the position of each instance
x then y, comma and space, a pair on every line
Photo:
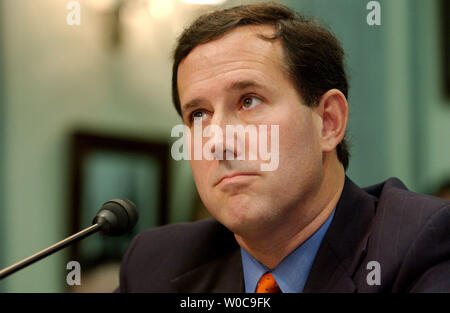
395, 199
185, 234
160, 254
409, 235
403, 218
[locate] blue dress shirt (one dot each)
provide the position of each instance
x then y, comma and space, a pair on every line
292, 272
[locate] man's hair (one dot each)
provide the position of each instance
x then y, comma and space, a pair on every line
314, 58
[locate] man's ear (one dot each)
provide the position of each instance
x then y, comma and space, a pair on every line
333, 112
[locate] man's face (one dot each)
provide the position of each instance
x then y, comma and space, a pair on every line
240, 79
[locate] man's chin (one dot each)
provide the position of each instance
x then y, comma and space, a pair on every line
245, 225
242, 214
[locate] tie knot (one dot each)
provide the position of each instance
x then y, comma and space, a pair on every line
267, 284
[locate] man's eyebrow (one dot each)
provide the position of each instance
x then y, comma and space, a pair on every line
192, 104
242, 84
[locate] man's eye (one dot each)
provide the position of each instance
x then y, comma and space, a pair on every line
250, 102
198, 115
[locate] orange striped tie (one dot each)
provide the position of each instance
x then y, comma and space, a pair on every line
267, 284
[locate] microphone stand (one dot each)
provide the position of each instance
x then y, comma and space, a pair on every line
50, 250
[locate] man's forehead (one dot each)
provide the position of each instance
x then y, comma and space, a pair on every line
246, 39
240, 47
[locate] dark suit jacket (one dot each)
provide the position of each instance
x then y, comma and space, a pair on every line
408, 234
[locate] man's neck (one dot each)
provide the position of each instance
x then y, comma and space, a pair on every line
284, 238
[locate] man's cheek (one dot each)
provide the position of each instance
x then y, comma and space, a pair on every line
269, 147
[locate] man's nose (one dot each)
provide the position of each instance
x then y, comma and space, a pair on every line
221, 147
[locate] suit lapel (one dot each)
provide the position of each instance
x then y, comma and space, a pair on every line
221, 275
344, 244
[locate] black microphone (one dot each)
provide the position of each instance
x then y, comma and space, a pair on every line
115, 218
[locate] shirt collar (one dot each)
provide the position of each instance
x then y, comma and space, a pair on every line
292, 272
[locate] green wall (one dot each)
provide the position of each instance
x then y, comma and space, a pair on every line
432, 105
2, 138
60, 78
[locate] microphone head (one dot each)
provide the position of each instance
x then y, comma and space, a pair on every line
117, 217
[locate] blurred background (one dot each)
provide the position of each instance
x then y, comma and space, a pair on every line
86, 115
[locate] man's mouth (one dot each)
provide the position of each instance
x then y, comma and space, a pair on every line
235, 177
